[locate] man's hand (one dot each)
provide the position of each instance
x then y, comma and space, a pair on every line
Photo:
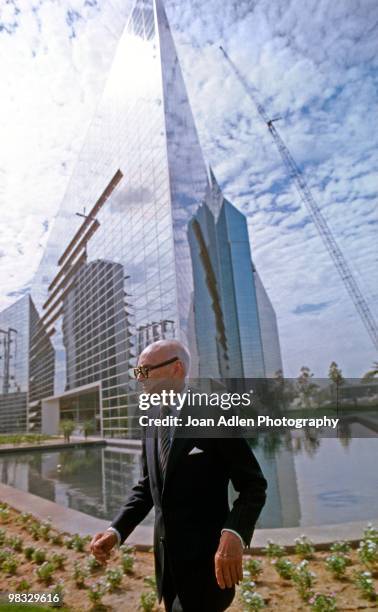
102, 544
228, 560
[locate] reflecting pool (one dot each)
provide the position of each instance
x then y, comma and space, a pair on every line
312, 481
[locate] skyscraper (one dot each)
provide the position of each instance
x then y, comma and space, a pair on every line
269, 330
149, 198
26, 365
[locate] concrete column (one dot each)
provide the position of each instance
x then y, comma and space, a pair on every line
50, 416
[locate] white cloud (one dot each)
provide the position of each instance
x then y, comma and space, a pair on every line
314, 65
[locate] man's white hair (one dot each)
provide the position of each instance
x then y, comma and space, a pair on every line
177, 348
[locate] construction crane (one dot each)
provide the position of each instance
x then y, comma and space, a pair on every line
314, 210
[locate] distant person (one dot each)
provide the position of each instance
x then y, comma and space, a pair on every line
198, 540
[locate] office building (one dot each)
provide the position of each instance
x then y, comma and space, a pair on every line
156, 250
26, 366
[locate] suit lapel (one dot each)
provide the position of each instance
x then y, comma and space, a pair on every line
178, 447
152, 453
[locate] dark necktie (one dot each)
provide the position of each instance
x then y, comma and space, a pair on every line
165, 441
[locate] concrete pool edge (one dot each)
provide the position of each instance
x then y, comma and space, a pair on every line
72, 521
7, 449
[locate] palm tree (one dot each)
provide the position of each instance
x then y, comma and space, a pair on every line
336, 377
67, 427
371, 373
305, 386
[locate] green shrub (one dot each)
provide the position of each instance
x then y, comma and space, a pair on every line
44, 530
113, 578
284, 568
320, 602
337, 564
364, 582
150, 581
2, 537
10, 565
96, 592
24, 518
4, 515
79, 574
28, 552
127, 562
77, 542
303, 579
45, 572
128, 550
15, 542
57, 539
304, 547
340, 547
5, 553
23, 585
58, 560
57, 593
368, 553
39, 556
147, 601
274, 550
93, 564
253, 566
252, 600
33, 529
370, 533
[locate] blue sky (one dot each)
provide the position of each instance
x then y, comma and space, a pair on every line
314, 64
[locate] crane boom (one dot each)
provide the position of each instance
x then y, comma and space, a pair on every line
325, 233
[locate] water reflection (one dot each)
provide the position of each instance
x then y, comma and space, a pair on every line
312, 480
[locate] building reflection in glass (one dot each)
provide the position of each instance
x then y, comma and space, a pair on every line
308, 485
26, 365
227, 318
124, 265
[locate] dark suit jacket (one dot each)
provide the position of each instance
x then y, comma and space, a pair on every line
191, 505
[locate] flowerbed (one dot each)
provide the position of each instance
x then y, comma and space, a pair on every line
23, 439
35, 558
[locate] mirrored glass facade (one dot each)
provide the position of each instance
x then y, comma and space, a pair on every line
269, 330
26, 365
131, 268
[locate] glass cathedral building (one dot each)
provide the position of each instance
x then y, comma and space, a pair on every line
160, 253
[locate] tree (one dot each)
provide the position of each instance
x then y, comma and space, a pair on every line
279, 389
305, 386
336, 377
88, 428
371, 374
67, 427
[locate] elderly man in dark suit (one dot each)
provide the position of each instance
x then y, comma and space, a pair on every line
198, 540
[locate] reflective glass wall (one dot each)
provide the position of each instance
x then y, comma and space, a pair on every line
14, 356
123, 274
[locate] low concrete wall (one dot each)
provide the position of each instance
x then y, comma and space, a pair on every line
24, 448
72, 521
65, 519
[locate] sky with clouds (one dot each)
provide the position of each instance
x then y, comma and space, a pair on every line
314, 64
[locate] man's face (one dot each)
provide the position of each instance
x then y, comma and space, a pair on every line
165, 378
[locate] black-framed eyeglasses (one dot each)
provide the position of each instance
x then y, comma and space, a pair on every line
144, 370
